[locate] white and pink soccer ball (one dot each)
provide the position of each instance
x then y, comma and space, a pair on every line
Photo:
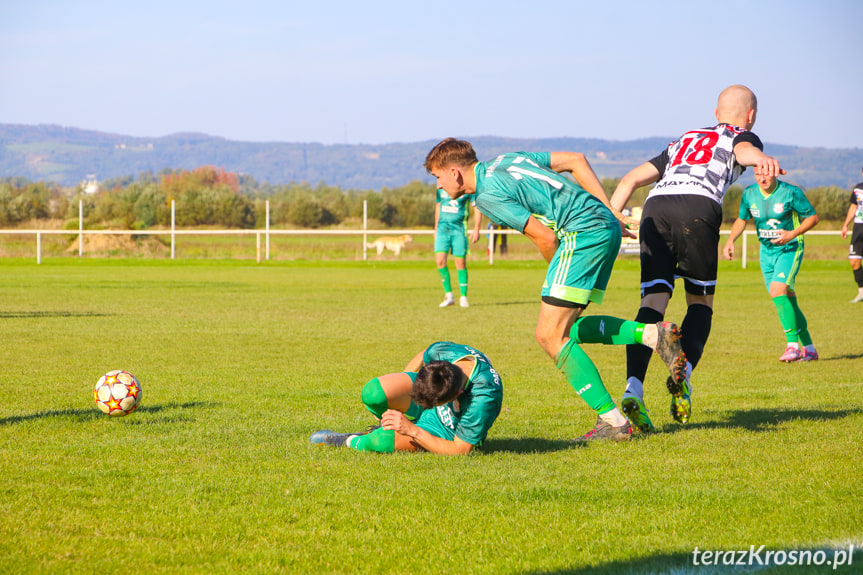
117, 393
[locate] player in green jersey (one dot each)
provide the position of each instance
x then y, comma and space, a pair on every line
450, 224
445, 401
579, 235
777, 208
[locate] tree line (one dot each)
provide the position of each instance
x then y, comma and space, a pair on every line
210, 196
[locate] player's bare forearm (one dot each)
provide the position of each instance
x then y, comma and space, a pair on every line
750, 156
643, 175
544, 239
736, 229
396, 421
416, 362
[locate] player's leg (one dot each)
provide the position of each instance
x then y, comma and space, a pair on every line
570, 284
388, 441
657, 286
459, 254
855, 258
779, 270
442, 247
391, 391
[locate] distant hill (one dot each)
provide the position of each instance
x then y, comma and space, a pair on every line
69, 155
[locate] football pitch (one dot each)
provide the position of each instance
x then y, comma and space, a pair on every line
239, 363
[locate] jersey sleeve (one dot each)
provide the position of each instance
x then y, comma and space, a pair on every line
801, 204
503, 209
477, 418
853, 198
750, 138
437, 196
660, 162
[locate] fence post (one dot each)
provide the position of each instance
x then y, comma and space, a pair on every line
173, 226
80, 228
38, 247
490, 245
365, 228
268, 230
743, 259
258, 247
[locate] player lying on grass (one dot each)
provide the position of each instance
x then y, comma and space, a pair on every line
445, 401
777, 208
577, 232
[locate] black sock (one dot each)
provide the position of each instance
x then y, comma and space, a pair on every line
858, 276
637, 355
695, 331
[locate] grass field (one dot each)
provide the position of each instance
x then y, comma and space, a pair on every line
240, 362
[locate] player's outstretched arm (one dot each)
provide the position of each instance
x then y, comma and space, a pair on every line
736, 229
750, 156
576, 164
477, 220
643, 175
396, 421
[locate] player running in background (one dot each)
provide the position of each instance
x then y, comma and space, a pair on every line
776, 208
445, 401
855, 250
450, 224
679, 234
579, 236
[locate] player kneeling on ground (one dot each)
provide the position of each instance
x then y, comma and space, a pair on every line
444, 402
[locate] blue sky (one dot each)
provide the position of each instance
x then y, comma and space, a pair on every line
402, 71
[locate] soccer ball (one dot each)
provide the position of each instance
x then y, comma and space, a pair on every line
117, 393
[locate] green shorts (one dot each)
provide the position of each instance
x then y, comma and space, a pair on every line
579, 271
780, 265
455, 244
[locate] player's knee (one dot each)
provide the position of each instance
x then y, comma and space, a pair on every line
550, 343
374, 397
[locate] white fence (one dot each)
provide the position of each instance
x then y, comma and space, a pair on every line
266, 233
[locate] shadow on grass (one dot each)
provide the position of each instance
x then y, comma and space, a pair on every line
846, 356
763, 419
41, 314
527, 445
90, 414
743, 560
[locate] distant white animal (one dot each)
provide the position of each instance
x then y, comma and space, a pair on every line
393, 244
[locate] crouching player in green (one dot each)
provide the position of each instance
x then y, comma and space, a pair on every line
776, 209
444, 402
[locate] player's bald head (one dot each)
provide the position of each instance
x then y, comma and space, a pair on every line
735, 106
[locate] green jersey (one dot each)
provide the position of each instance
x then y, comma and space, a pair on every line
781, 210
474, 412
513, 187
453, 214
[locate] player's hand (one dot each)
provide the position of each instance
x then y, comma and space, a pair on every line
728, 250
770, 167
474, 236
396, 421
844, 231
629, 227
783, 238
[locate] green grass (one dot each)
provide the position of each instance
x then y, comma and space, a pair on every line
240, 362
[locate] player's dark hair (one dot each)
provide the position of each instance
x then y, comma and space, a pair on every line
437, 383
450, 152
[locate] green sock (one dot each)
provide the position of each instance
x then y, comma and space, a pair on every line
375, 401
606, 330
379, 440
802, 324
787, 317
462, 281
444, 278
582, 375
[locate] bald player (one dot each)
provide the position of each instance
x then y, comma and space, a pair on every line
679, 234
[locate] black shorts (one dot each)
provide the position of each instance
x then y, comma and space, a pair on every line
855, 250
679, 238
